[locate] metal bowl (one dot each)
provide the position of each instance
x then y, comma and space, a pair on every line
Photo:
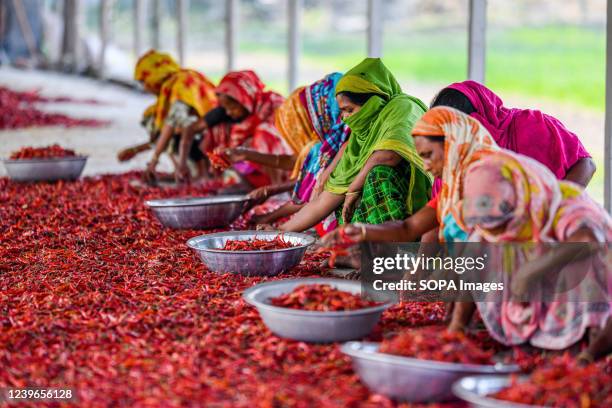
60, 168
198, 212
312, 326
474, 391
250, 263
412, 379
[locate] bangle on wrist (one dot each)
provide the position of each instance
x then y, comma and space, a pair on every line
353, 192
363, 229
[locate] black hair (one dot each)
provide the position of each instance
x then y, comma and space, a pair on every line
436, 139
357, 98
455, 99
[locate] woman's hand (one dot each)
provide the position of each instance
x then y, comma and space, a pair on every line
234, 155
345, 236
258, 196
182, 173
126, 154
149, 175
319, 185
265, 227
350, 201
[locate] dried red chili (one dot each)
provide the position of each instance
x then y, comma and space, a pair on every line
438, 344
34, 96
48, 152
97, 296
334, 253
562, 383
321, 298
218, 161
345, 240
17, 110
257, 244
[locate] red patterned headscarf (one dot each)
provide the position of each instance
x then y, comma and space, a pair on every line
257, 131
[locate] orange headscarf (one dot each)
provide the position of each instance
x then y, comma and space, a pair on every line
465, 141
294, 125
162, 75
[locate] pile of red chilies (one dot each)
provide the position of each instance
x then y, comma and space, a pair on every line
218, 161
17, 111
321, 298
97, 296
47, 152
436, 344
563, 384
257, 244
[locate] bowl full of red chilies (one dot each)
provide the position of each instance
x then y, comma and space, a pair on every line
317, 310
49, 163
251, 253
562, 382
421, 365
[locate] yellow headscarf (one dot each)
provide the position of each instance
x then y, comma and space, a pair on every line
161, 74
295, 127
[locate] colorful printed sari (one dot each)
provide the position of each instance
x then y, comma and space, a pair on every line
536, 208
312, 122
542, 210
163, 76
384, 122
257, 131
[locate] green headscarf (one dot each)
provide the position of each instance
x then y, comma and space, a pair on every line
384, 122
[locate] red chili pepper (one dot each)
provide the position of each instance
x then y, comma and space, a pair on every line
17, 110
334, 253
97, 296
436, 344
562, 383
321, 298
218, 161
257, 244
49, 152
345, 240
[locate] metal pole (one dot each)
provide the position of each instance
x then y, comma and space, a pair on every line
231, 33
70, 37
294, 42
105, 29
608, 122
477, 40
375, 28
139, 24
182, 7
156, 15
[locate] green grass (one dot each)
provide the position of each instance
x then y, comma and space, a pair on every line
560, 63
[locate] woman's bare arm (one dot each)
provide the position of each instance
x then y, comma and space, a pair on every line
582, 171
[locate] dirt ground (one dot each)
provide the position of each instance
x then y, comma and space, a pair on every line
123, 107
